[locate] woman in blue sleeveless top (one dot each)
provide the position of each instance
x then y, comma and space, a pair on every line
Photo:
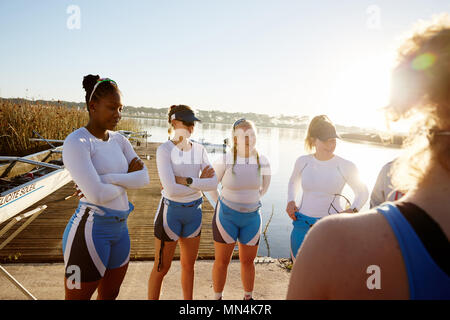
400, 249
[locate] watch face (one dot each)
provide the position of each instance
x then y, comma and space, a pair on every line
189, 180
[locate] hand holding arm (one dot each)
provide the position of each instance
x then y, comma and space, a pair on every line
205, 184
166, 176
136, 177
77, 160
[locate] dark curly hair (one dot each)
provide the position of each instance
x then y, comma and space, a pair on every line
105, 88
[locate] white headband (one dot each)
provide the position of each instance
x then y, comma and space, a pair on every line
96, 85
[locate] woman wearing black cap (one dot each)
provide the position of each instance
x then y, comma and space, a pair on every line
179, 216
322, 175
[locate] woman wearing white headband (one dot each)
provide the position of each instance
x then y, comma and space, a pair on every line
245, 178
103, 164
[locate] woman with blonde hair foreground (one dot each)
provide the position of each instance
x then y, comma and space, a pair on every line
400, 249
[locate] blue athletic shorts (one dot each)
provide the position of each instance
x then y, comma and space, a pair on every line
174, 220
96, 239
301, 227
230, 225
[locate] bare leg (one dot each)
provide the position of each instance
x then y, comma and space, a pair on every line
188, 255
223, 254
156, 277
247, 255
85, 291
109, 286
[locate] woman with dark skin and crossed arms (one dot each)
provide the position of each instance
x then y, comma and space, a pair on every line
103, 165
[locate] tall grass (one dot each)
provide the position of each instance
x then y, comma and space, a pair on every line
17, 122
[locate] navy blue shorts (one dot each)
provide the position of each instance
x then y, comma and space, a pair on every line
175, 220
96, 239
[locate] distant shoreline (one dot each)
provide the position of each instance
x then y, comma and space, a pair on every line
380, 144
283, 126
373, 139
362, 138
351, 134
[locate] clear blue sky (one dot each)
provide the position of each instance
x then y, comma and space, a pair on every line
279, 56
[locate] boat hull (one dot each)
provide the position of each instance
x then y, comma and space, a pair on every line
14, 201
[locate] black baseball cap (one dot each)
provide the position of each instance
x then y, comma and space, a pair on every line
185, 115
324, 131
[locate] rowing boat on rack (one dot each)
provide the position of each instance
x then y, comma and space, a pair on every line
20, 191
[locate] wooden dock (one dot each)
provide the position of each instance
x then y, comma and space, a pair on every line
41, 241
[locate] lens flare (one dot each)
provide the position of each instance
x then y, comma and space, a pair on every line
423, 61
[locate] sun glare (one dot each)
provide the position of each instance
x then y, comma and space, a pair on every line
361, 91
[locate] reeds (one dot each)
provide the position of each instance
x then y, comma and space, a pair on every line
18, 120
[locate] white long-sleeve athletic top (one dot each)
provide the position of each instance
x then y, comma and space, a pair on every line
172, 161
99, 168
321, 180
384, 190
246, 185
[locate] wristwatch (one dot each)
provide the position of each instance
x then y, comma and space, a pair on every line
188, 181
354, 210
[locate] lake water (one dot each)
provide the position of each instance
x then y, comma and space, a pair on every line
283, 147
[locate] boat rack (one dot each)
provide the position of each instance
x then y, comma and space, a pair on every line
29, 216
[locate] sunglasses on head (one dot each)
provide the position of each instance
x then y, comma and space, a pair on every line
238, 122
104, 80
100, 81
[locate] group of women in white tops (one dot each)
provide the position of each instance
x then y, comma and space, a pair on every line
336, 253
185, 172
104, 165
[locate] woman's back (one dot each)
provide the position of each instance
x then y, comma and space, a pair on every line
425, 250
